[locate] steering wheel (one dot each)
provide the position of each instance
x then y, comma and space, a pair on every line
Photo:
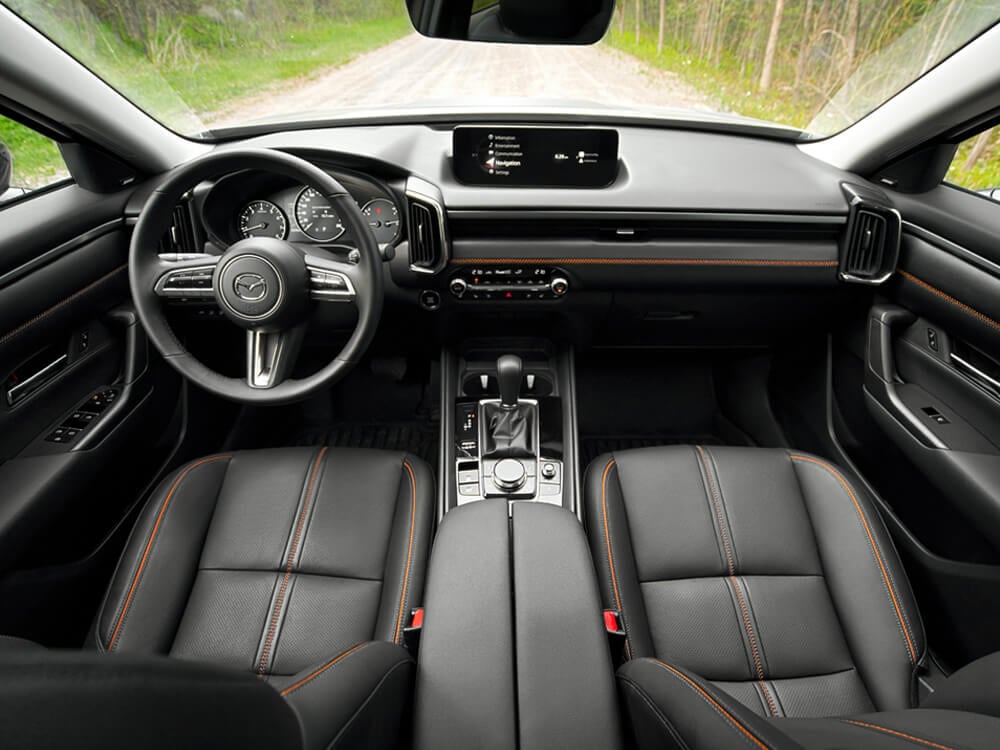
266, 286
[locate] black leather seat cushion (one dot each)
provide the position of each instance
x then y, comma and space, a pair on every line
755, 583
282, 563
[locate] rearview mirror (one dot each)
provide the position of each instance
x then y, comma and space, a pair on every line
513, 21
6, 168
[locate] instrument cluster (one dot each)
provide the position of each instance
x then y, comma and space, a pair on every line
260, 205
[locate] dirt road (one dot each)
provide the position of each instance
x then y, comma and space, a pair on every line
416, 69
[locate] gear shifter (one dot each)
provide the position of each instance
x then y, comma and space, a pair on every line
509, 378
510, 426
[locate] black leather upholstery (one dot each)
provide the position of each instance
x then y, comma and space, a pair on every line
51, 699
285, 564
761, 583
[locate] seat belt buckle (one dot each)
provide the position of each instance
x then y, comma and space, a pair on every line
616, 634
411, 633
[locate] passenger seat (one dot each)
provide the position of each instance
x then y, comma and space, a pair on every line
761, 597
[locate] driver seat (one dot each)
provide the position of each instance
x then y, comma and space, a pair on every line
297, 565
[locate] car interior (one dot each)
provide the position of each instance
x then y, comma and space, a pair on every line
499, 427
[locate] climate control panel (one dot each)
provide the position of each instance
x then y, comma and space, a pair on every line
500, 283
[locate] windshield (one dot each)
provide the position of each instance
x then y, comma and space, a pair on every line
813, 65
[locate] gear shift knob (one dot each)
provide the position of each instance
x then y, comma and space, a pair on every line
509, 378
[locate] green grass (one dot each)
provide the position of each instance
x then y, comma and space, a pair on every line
207, 66
37, 161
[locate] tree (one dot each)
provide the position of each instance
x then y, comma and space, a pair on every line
638, 19
663, 20
851, 34
772, 45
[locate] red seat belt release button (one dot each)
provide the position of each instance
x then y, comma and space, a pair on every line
612, 622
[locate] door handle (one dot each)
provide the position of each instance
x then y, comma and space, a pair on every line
24, 388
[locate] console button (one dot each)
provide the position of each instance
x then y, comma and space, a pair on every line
469, 490
549, 470
467, 477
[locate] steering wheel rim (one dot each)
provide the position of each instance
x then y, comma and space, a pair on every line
365, 281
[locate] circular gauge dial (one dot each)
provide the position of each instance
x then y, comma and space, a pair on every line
316, 217
263, 219
383, 218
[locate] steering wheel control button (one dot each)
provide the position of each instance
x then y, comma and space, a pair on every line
190, 282
509, 474
330, 286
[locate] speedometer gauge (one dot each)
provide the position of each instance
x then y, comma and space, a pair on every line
383, 218
316, 217
263, 219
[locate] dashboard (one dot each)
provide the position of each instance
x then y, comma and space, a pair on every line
643, 234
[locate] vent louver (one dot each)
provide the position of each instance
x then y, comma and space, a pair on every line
427, 232
871, 243
179, 237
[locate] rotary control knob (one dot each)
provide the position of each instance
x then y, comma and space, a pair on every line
458, 287
509, 474
559, 286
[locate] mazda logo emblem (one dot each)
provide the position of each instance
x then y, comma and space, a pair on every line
250, 287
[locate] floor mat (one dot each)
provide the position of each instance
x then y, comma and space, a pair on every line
592, 446
417, 438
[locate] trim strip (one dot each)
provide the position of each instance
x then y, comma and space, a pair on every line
718, 706
46, 313
44, 259
751, 262
910, 737
409, 550
981, 317
149, 545
871, 540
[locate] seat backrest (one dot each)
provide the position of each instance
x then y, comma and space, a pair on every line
765, 572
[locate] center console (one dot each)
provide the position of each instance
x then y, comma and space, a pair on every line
511, 429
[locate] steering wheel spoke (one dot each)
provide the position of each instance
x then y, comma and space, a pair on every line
331, 280
190, 277
271, 356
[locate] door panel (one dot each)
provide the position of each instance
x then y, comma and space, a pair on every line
87, 414
932, 388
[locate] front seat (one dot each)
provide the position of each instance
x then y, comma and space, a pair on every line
297, 565
765, 606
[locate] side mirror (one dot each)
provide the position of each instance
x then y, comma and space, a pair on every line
513, 21
6, 168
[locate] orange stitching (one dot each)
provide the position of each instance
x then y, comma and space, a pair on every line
736, 722
607, 539
871, 540
645, 261
753, 646
46, 313
716, 504
289, 564
905, 736
149, 546
409, 549
321, 670
982, 317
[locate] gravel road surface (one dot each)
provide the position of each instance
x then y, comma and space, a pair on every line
415, 69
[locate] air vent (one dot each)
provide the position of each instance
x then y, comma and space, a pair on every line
179, 237
428, 241
871, 242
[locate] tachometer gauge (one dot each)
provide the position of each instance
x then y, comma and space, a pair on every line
316, 217
263, 219
383, 218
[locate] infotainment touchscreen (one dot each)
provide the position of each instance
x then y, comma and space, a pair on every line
523, 156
